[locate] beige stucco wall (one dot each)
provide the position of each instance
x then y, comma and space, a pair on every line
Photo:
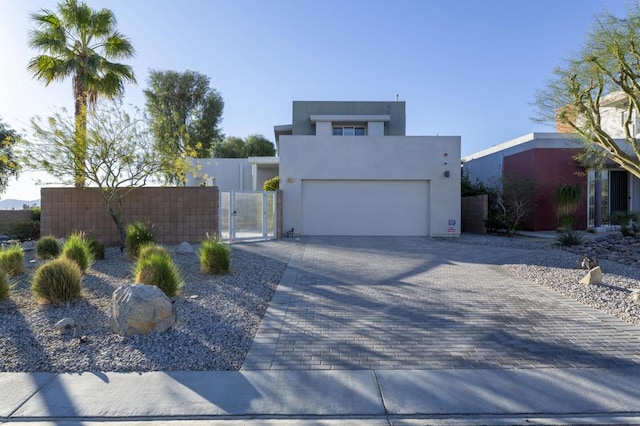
374, 157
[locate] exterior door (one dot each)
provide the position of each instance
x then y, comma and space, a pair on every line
618, 191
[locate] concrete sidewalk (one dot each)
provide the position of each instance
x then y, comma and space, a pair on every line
494, 396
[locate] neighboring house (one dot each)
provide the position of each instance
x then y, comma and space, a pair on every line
613, 189
549, 159
348, 168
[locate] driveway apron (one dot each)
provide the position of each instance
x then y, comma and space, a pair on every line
388, 303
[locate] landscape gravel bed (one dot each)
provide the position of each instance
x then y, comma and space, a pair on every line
218, 317
554, 267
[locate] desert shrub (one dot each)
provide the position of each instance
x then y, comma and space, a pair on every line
566, 200
96, 247
5, 287
76, 248
628, 222
150, 249
570, 238
159, 270
272, 184
215, 256
511, 202
467, 188
12, 260
57, 281
28, 229
48, 247
138, 234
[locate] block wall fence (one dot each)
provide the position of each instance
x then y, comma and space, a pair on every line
8, 218
177, 214
475, 211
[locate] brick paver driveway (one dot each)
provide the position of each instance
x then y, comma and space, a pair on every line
419, 303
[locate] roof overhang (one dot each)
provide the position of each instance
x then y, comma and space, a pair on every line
264, 160
616, 99
349, 118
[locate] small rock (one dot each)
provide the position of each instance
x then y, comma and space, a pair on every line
193, 296
587, 263
594, 276
185, 248
65, 324
635, 295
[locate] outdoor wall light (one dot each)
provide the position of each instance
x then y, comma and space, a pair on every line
446, 173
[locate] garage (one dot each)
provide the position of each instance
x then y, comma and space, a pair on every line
365, 207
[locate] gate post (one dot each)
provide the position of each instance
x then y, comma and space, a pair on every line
232, 216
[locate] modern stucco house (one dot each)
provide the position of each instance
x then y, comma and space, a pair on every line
348, 168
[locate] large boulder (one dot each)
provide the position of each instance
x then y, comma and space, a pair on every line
185, 248
141, 309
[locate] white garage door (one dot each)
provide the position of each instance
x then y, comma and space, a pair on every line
365, 207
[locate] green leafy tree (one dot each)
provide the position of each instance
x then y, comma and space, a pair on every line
9, 165
605, 74
259, 146
252, 146
83, 44
185, 115
231, 147
120, 153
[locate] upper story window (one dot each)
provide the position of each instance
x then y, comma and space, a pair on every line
348, 131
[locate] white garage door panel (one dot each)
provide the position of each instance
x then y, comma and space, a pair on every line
365, 207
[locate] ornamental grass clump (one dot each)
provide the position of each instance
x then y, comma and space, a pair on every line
48, 247
12, 260
159, 270
215, 257
76, 248
151, 249
5, 287
57, 281
138, 234
96, 247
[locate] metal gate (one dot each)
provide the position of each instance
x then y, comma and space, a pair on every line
247, 215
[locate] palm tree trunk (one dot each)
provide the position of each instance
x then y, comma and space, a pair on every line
80, 151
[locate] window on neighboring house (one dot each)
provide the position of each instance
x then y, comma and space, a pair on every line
348, 131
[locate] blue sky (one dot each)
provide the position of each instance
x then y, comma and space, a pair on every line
464, 67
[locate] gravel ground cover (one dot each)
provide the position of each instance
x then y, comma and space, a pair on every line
554, 267
218, 317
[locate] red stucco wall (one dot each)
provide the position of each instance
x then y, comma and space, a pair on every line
550, 168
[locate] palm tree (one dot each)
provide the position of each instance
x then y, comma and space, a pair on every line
81, 43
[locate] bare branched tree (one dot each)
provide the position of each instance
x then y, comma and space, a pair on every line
120, 153
597, 86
